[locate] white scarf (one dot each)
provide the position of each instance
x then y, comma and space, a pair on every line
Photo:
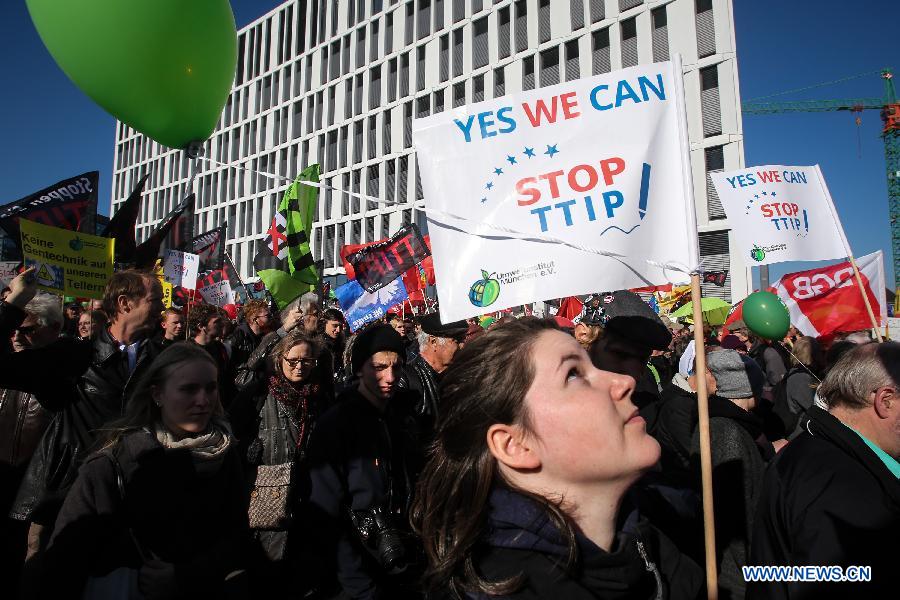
207, 449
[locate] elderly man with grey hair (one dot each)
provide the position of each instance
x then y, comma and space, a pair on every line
832, 497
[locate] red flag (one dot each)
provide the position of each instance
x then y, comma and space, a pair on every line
827, 300
569, 308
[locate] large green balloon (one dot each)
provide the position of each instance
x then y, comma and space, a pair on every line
766, 315
164, 67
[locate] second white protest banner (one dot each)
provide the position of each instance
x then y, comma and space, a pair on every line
780, 214
599, 163
180, 268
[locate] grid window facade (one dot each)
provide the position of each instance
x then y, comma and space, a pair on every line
340, 82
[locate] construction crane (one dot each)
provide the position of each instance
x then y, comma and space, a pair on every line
890, 133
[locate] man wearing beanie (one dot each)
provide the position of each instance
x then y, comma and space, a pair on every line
362, 463
740, 453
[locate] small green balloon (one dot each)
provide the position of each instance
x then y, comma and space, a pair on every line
164, 67
766, 315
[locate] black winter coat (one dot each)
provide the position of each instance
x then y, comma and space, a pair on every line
828, 499
98, 396
196, 521
359, 459
643, 563
243, 342
420, 378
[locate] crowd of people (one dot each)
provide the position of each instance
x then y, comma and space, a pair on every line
150, 452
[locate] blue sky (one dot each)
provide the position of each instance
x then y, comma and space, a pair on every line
50, 130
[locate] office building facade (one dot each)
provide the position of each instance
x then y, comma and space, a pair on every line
338, 82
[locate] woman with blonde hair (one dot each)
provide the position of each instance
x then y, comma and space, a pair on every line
162, 507
534, 452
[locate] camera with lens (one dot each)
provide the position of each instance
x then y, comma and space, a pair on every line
381, 538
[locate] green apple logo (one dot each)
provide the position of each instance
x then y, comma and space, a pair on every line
757, 253
484, 292
76, 244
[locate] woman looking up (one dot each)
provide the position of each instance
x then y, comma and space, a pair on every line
534, 451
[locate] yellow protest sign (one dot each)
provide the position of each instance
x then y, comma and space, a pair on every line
166, 286
68, 263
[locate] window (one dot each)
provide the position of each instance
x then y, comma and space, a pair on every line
706, 28
390, 180
407, 124
373, 135
420, 68
348, 98
503, 32
458, 52
386, 132
550, 67
357, 142
438, 101
375, 87
660, 34
710, 105
499, 82
423, 108
598, 10
544, 21
408, 28
626, 4
423, 19
357, 95
392, 80
521, 9
444, 57
600, 52
404, 74
389, 33
629, 43
576, 8
573, 70
528, 73
401, 183
715, 257
438, 15
478, 88
360, 47
715, 163
459, 10
373, 39
480, 50
459, 94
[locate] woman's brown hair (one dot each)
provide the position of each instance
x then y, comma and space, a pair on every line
486, 384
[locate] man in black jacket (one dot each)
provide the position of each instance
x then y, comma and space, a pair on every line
100, 394
438, 344
248, 335
360, 462
832, 496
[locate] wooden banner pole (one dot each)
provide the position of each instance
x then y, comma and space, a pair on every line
865, 297
709, 527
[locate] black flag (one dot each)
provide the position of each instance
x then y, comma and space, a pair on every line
69, 204
173, 231
121, 227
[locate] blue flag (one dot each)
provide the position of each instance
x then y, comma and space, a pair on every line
361, 307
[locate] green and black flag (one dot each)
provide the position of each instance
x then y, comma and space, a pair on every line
283, 260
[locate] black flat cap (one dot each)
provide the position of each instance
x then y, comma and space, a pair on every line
631, 318
431, 324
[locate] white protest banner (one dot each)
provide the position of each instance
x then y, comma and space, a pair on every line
180, 268
219, 293
8, 271
560, 191
781, 213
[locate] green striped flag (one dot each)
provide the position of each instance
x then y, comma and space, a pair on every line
283, 260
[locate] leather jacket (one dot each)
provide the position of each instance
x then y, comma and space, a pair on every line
22, 423
243, 342
419, 377
98, 396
